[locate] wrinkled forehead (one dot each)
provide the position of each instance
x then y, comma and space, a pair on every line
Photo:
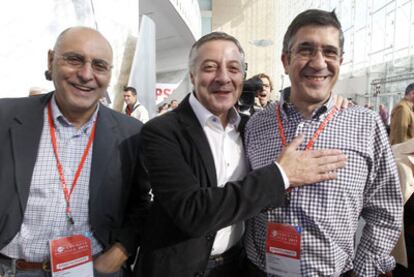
219, 50
316, 35
84, 41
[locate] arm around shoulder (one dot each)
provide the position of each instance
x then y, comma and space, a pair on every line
182, 185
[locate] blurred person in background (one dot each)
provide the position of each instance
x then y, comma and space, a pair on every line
402, 118
133, 107
263, 96
173, 104
37, 91
384, 117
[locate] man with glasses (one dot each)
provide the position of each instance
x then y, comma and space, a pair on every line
69, 166
313, 233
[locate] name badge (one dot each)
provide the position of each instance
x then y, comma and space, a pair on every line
71, 256
283, 250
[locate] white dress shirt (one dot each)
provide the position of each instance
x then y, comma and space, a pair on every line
229, 159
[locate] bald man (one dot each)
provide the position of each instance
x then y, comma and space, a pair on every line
69, 165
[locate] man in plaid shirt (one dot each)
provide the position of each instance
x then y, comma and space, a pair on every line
324, 216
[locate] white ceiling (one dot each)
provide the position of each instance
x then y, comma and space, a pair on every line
171, 31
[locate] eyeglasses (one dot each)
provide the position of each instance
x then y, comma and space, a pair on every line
78, 61
308, 51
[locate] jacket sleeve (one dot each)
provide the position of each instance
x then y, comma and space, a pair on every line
137, 207
198, 208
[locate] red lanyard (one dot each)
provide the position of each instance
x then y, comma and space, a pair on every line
315, 135
60, 167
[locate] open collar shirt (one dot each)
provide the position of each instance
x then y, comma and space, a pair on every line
45, 215
328, 211
229, 160
138, 111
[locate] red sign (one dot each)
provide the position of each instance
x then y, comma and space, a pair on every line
163, 91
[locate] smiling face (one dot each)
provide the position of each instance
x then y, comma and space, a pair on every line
79, 88
217, 76
314, 77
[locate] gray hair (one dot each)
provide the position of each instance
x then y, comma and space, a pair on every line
210, 37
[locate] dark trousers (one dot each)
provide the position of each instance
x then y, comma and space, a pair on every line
251, 270
228, 264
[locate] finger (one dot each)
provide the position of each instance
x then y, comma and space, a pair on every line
326, 176
337, 102
340, 102
324, 152
346, 104
330, 159
330, 167
313, 178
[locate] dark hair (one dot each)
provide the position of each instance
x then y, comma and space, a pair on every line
48, 75
131, 89
264, 75
162, 106
210, 37
312, 17
409, 88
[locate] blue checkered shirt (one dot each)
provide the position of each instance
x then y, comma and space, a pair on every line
45, 215
329, 211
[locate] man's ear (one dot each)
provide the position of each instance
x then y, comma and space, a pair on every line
50, 57
285, 61
192, 78
48, 72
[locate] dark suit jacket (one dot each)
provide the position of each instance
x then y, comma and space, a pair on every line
188, 206
116, 172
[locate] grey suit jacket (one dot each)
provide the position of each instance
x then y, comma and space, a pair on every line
117, 174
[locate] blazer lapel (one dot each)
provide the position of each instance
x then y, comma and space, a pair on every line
25, 133
197, 136
103, 146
